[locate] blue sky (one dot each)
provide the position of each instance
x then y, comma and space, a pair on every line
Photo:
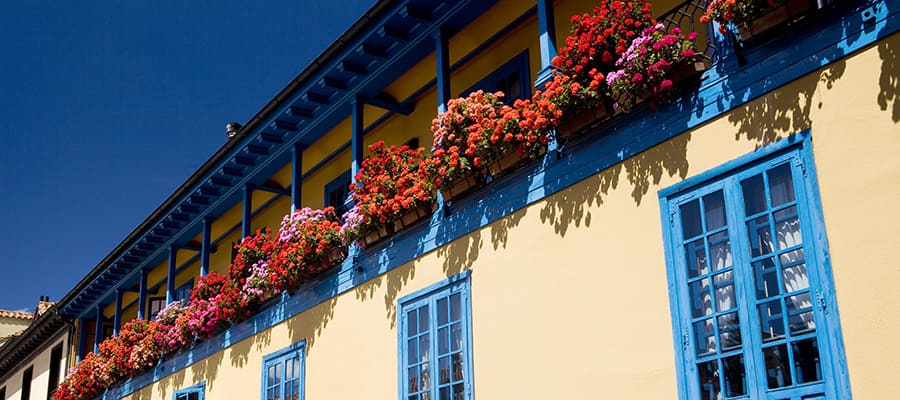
107, 107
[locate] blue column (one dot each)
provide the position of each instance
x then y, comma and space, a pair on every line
442, 53
297, 177
547, 28
98, 328
117, 318
356, 140
82, 337
248, 211
142, 295
170, 277
205, 245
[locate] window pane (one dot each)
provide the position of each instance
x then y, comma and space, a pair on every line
456, 336
735, 377
766, 277
696, 258
806, 361
771, 324
709, 379
701, 300
425, 347
458, 372
443, 341
455, 312
704, 334
444, 370
445, 393
754, 195
729, 331
425, 372
800, 314
725, 298
423, 319
459, 392
793, 273
690, 219
413, 379
411, 323
442, 311
412, 351
781, 186
778, 373
787, 228
720, 250
760, 236
714, 205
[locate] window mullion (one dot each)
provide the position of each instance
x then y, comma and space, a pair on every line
744, 281
435, 353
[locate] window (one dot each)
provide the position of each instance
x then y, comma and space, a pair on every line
156, 305
26, 383
435, 342
184, 291
55, 365
511, 78
283, 373
753, 311
336, 193
192, 393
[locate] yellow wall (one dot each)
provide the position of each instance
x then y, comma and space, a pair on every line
572, 323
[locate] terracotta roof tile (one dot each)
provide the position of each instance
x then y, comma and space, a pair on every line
16, 314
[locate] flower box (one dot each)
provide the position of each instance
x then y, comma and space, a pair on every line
773, 17
336, 256
687, 71
509, 161
377, 234
578, 124
462, 187
413, 216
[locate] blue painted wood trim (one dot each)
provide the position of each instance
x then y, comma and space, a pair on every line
298, 348
358, 125
205, 245
199, 388
82, 337
547, 31
442, 56
297, 177
117, 317
170, 274
98, 328
247, 214
142, 295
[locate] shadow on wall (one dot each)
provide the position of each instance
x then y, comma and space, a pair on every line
394, 281
889, 81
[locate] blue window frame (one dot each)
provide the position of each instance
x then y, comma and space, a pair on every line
435, 342
282, 375
183, 293
754, 314
512, 78
191, 393
337, 192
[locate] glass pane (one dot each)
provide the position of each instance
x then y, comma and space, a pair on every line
425, 347
701, 301
278, 373
781, 186
414, 397
455, 313
288, 370
425, 396
270, 394
800, 314
270, 376
459, 392
442, 311
425, 371
735, 377
411, 323
720, 250
787, 228
778, 373
445, 393
708, 374
456, 336
413, 379
714, 205
412, 350
444, 370
754, 195
725, 297
690, 219
458, 372
423, 319
771, 325
766, 277
443, 341
793, 274
729, 331
704, 334
760, 236
696, 258
295, 390
806, 361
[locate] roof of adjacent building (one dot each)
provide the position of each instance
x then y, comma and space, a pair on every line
16, 314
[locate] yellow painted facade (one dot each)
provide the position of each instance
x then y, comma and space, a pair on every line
570, 323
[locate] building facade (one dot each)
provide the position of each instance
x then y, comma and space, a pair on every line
33, 363
733, 244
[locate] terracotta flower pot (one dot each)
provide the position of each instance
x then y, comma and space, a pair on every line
773, 17
578, 124
462, 187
